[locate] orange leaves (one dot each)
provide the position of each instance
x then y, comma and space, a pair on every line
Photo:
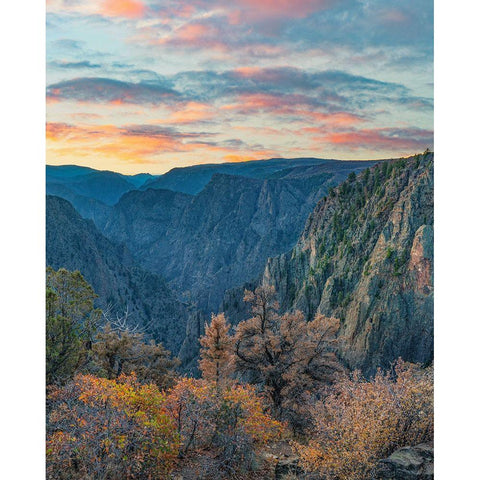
364, 421
232, 419
284, 354
255, 422
117, 426
216, 362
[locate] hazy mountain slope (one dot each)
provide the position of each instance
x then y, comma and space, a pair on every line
142, 219
87, 207
193, 179
91, 192
75, 243
366, 257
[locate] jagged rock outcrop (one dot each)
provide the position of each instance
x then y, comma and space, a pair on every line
145, 221
288, 468
366, 257
407, 463
75, 244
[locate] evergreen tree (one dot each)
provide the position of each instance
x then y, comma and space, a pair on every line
216, 353
71, 321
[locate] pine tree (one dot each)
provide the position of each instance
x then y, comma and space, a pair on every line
216, 353
71, 321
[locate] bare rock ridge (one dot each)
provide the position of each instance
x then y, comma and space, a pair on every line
75, 244
366, 257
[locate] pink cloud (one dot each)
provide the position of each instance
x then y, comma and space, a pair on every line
284, 8
382, 138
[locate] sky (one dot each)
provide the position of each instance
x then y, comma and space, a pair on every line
148, 85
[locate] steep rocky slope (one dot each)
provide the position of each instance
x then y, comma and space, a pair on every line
75, 243
366, 257
87, 207
222, 236
144, 220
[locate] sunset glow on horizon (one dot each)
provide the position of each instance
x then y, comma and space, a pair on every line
147, 85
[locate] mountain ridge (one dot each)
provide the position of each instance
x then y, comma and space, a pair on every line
365, 256
75, 243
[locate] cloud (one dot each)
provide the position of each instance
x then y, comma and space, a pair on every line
123, 8
68, 44
330, 98
393, 139
128, 9
143, 144
107, 90
73, 65
190, 112
131, 143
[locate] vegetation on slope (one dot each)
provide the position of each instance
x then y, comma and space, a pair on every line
135, 418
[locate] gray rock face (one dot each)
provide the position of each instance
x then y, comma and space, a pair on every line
288, 468
366, 257
407, 463
75, 244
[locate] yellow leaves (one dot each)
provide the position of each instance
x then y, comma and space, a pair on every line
119, 418
259, 425
364, 421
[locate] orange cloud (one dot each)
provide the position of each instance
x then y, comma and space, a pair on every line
288, 105
248, 71
136, 144
192, 112
195, 35
122, 143
123, 8
192, 32
257, 155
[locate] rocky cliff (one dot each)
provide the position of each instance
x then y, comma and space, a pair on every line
221, 237
75, 244
366, 257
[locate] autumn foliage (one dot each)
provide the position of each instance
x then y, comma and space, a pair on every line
109, 429
232, 420
364, 421
116, 352
116, 409
285, 355
216, 361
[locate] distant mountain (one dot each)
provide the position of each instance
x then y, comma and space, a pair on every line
75, 243
193, 179
91, 192
365, 257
